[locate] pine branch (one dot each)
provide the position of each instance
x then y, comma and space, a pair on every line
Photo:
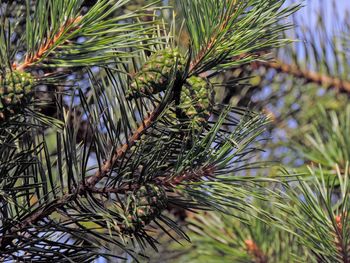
85, 186
33, 218
224, 30
88, 185
308, 75
189, 176
231, 240
169, 181
200, 163
320, 223
108, 166
60, 34
206, 49
48, 44
326, 141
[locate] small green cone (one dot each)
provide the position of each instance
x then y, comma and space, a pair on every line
15, 90
155, 74
196, 101
143, 206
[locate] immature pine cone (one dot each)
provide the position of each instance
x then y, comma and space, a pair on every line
155, 74
197, 95
196, 101
15, 90
143, 206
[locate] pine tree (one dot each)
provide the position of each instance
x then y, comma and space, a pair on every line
113, 123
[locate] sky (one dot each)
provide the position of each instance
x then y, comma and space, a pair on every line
310, 7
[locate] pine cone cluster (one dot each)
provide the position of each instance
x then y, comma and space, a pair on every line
197, 93
155, 74
15, 88
143, 206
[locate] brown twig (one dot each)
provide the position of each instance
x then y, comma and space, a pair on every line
48, 44
255, 251
343, 249
203, 52
188, 176
308, 75
106, 168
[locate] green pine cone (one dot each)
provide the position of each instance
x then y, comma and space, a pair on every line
15, 89
155, 74
143, 206
196, 101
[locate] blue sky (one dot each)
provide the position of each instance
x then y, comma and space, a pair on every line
309, 11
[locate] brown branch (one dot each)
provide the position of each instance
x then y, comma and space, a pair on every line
308, 75
48, 44
106, 168
170, 182
342, 248
189, 176
253, 249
